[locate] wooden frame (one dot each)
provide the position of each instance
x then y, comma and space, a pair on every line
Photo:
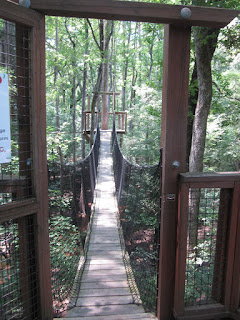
230, 289
175, 92
38, 204
135, 11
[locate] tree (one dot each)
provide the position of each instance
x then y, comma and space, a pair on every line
205, 45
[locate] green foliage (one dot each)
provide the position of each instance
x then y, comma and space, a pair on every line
65, 252
142, 143
201, 259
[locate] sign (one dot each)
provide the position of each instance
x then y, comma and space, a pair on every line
5, 133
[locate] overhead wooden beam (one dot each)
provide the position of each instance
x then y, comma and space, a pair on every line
135, 11
12, 12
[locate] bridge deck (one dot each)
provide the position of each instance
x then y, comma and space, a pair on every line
104, 291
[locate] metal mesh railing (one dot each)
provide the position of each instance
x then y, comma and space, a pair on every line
204, 275
138, 194
18, 274
71, 191
15, 154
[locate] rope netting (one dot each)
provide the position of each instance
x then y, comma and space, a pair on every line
138, 195
71, 192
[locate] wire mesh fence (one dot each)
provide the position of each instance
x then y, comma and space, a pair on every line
71, 191
18, 272
138, 193
15, 154
206, 259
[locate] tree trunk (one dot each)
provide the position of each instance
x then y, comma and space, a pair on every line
205, 45
125, 58
56, 76
84, 87
134, 80
105, 97
192, 102
103, 47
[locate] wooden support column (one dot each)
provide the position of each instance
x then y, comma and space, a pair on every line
232, 281
40, 167
174, 137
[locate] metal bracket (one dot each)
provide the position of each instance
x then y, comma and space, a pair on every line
171, 197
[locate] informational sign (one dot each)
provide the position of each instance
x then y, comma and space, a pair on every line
5, 133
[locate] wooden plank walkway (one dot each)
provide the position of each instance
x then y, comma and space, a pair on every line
104, 291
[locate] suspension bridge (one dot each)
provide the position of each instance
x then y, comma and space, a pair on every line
107, 289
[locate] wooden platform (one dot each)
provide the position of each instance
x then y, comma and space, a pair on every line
104, 291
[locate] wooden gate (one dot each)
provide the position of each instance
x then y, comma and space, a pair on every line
208, 243
25, 284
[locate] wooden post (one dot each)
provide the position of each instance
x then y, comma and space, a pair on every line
104, 112
174, 137
40, 167
221, 244
232, 280
181, 253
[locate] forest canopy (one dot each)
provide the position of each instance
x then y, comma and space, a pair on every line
86, 56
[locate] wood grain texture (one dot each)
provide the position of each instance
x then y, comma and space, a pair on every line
181, 253
40, 176
222, 179
135, 11
174, 128
13, 12
234, 253
18, 210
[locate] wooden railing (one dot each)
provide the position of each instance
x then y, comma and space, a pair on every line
87, 123
213, 261
121, 121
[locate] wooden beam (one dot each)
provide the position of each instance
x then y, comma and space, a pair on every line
40, 166
181, 253
174, 139
12, 12
17, 210
135, 11
233, 253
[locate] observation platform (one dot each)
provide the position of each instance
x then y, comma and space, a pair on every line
105, 292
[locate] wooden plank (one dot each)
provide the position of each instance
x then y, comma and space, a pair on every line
103, 301
104, 240
105, 247
235, 289
102, 261
174, 137
104, 310
106, 253
13, 12
182, 232
210, 177
17, 210
103, 272
224, 216
40, 174
112, 266
139, 316
103, 292
103, 285
135, 11
103, 278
